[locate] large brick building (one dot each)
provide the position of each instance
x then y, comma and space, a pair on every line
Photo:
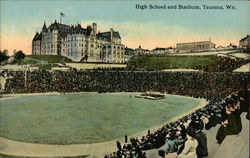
195, 46
79, 43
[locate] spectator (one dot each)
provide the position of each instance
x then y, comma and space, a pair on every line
190, 146
171, 145
201, 150
229, 126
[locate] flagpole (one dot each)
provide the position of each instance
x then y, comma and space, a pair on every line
61, 15
60, 18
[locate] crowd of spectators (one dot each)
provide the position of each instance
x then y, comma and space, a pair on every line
225, 64
185, 137
197, 84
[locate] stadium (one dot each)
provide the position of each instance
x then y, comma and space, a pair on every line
85, 113
114, 79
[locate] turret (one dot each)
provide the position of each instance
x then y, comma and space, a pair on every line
44, 26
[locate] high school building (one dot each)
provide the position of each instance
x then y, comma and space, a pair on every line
79, 43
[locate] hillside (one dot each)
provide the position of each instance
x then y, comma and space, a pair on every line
46, 58
205, 63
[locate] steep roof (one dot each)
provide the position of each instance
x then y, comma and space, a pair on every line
38, 36
247, 38
107, 35
44, 26
129, 51
64, 30
157, 48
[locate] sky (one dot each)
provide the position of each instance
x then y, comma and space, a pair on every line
150, 28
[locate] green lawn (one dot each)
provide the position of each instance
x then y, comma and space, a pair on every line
29, 61
85, 118
173, 62
50, 58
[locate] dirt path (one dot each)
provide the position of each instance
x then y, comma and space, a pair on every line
243, 68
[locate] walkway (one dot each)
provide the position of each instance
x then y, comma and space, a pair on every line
243, 68
11, 147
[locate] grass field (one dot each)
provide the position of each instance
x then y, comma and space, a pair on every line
173, 62
85, 118
29, 61
50, 58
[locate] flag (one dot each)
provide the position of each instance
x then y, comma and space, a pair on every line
62, 14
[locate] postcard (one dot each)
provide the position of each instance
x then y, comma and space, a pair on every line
124, 79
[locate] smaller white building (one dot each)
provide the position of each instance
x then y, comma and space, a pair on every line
244, 43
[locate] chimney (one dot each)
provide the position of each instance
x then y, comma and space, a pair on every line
94, 27
111, 34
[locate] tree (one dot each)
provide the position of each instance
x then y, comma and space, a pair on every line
4, 55
19, 55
